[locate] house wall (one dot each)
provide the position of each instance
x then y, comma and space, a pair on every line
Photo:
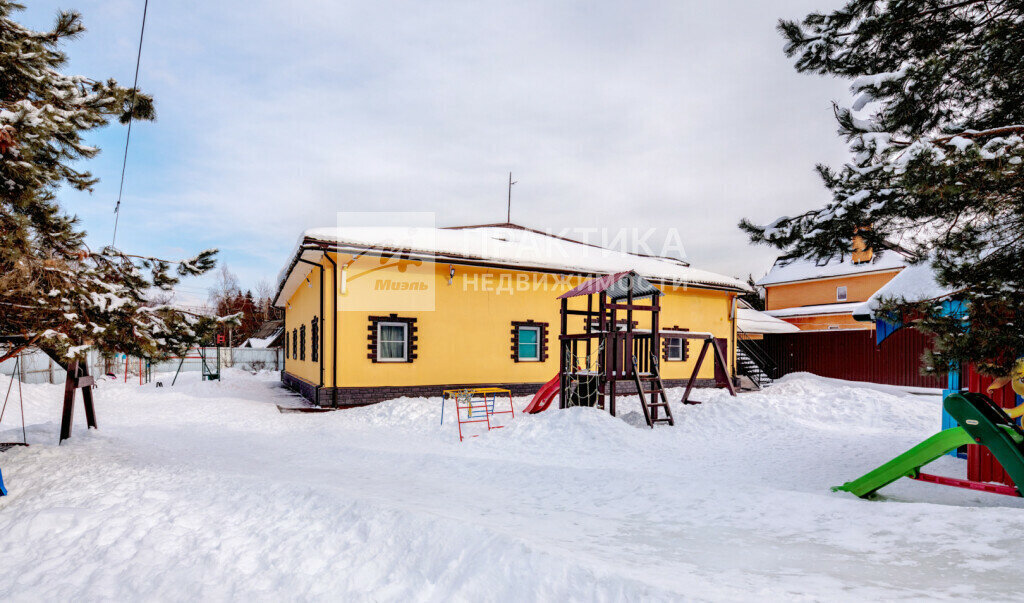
859, 287
466, 339
302, 306
820, 323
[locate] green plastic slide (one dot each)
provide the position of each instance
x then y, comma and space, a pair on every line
982, 422
908, 463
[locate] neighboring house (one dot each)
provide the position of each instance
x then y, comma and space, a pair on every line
269, 335
823, 295
378, 313
914, 284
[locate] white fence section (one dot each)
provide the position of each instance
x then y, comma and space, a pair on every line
36, 367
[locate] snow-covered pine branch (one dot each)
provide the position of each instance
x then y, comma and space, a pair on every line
54, 291
936, 143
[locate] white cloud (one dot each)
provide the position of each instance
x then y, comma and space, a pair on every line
274, 116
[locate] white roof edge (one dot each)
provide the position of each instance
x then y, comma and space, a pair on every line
749, 320
294, 273
795, 270
817, 310
825, 278
513, 248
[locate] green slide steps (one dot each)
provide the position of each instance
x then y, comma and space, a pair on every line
908, 463
981, 422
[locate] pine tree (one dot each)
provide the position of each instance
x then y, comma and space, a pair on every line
755, 297
935, 130
55, 292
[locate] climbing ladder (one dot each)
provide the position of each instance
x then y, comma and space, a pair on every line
647, 396
470, 409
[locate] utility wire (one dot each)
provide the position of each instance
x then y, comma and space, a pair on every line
131, 114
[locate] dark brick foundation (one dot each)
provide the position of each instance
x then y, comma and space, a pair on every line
349, 397
321, 396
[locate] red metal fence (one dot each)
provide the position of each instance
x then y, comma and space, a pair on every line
981, 465
853, 355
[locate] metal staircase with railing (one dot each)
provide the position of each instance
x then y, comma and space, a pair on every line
753, 362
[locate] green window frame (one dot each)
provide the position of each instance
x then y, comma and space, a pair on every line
528, 344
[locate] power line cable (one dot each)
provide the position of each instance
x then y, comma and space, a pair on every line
131, 114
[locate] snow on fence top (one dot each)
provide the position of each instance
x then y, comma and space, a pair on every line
514, 246
801, 269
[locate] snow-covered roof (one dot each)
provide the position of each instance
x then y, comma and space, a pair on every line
262, 342
786, 271
507, 245
818, 310
750, 320
915, 283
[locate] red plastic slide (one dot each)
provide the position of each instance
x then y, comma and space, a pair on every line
542, 399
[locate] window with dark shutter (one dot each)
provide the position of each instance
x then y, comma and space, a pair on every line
674, 349
314, 340
392, 339
302, 342
529, 341
295, 344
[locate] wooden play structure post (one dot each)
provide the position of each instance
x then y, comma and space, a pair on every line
709, 341
78, 378
624, 352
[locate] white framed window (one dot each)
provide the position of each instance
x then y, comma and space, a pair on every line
841, 293
392, 342
674, 349
528, 343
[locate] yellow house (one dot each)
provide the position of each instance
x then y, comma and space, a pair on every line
378, 313
822, 295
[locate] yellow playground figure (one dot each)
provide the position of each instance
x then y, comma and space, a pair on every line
1016, 381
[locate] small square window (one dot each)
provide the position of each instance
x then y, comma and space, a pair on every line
528, 339
392, 341
841, 293
674, 349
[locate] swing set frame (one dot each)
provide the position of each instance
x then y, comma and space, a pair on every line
21, 400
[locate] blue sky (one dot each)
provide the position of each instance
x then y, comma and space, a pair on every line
274, 116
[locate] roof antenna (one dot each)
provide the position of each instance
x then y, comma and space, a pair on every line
508, 214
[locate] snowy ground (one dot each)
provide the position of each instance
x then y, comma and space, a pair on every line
205, 491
